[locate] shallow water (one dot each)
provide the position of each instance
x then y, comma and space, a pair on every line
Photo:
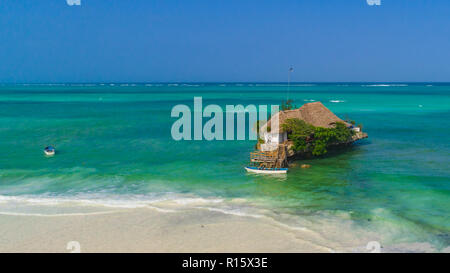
114, 149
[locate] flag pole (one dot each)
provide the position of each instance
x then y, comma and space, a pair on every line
289, 82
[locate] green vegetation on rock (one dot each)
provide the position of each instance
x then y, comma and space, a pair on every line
287, 105
308, 138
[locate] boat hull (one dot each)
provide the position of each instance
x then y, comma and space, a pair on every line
49, 153
267, 170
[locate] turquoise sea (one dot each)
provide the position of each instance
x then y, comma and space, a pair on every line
114, 149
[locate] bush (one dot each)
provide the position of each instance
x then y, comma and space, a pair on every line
308, 138
299, 132
287, 105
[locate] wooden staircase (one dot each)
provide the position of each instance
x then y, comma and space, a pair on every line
272, 159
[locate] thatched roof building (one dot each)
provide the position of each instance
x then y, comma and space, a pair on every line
314, 113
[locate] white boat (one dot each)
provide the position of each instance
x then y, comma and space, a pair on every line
266, 170
49, 150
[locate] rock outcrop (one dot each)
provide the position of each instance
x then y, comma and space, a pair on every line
315, 114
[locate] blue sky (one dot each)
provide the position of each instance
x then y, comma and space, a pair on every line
214, 40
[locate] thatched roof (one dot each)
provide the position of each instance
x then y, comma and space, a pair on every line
314, 113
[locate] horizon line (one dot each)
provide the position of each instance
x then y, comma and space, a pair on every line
223, 82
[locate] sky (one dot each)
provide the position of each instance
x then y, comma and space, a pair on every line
49, 41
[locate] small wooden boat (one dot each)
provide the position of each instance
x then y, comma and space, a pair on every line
49, 150
266, 170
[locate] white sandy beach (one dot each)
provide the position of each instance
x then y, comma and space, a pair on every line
193, 230
146, 230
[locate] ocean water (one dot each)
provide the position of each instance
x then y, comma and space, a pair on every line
115, 150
